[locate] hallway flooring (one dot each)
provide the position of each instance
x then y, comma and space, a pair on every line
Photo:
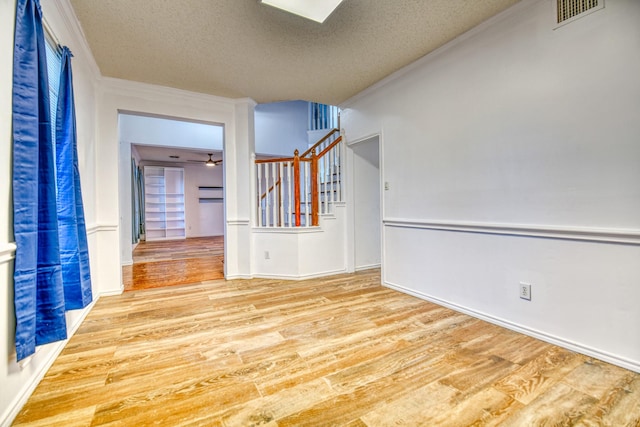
175, 262
333, 351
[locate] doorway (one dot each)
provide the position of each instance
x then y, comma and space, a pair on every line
366, 189
155, 257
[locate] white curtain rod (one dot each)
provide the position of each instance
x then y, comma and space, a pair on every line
49, 33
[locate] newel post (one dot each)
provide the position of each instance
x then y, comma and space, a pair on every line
314, 188
296, 185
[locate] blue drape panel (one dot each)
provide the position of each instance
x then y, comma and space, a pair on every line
74, 253
137, 201
141, 218
39, 295
135, 225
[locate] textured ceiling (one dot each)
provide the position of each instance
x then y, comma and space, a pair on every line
242, 48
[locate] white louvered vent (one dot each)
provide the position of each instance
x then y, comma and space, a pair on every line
569, 10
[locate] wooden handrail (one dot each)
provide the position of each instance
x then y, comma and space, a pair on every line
284, 159
317, 144
330, 146
270, 189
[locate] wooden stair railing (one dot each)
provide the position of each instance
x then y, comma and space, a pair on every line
319, 143
293, 179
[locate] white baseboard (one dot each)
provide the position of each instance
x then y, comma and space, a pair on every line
112, 293
238, 277
14, 408
543, 336
299, 277
367, 267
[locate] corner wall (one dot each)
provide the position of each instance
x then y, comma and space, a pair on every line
512, 156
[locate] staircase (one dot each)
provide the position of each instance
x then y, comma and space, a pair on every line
295, 191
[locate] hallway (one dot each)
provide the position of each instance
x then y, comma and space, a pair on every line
175, 262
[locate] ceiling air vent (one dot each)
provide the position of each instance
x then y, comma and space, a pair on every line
570, 10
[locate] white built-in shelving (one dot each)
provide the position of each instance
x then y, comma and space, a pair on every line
164, 203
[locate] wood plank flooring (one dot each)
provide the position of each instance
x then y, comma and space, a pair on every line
337, 351
175, 262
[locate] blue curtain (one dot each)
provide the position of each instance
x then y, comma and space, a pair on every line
135, 209
141, 215
39, 294
74, 253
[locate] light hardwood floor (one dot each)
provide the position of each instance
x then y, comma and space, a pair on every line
175, 262
337, 351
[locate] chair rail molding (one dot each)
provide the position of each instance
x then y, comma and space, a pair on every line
7, 252
605, 235
95, 228
239, 221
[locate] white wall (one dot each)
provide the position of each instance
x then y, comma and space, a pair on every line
366, 203
19, 380
146, 130
512, 155
203, 219
301, 253
281, 128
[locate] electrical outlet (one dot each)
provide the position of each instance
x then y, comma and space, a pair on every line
266, 255
525, 291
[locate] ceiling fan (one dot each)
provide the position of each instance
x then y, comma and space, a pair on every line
209, 162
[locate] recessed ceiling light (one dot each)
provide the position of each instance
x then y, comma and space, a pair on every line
316, 10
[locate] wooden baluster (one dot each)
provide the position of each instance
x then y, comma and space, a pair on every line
307, 195
259, 173
314, 188
296, 183
274, 195
322, 184
339, 169
331, 199
281, 204
267, 210
289, 201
